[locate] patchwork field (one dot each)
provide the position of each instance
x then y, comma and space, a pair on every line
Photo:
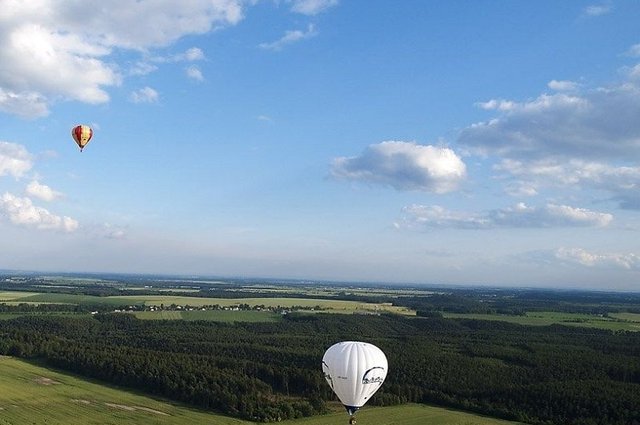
34, 395
336, 306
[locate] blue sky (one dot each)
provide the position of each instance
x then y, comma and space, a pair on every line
484, 142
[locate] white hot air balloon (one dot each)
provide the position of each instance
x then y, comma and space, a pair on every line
355, 370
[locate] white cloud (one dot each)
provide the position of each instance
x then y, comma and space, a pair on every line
622, 182
142, 68
41, 63
194, 73
144, 95
574, 171
404, 166
562, 85
518, 216
15, 160
42, 192
52, 50
192, 54
597, 9
148, 64
311, 7
497, 104
24, 104
22, 212
626, 261
290, 37
600, 123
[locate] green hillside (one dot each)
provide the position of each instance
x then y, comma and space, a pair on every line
31, 394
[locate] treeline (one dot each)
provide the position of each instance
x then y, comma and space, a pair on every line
271, 371
22, 308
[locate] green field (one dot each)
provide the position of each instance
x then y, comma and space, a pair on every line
212, 315
617, 322
34, 395
408, 414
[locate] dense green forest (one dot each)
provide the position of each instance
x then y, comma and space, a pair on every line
271, 371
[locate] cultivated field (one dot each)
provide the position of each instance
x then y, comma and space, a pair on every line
617, 321
14, 295
34, 395
212, 315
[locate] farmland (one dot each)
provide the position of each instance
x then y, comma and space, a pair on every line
309, 304
212, 315
614, 322
33, 394
250, 350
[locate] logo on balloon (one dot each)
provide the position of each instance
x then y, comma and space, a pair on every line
370, 377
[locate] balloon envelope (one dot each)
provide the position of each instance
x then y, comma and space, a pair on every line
355, 370
81, 134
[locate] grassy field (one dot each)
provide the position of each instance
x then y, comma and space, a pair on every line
619, 322
212, 315
14, 295
408, 414
34, 395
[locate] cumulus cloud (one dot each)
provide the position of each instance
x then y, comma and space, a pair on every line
22, 212
579, 137
518, 216
311, 7
562, 85
290, 37
15, 160
625, 261
190, 55
599, 123
42, 192
194, 73
60, 50
144, 95
404, 166
25, 104
497, 104
622, 182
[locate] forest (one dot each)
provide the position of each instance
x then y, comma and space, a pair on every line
271, 371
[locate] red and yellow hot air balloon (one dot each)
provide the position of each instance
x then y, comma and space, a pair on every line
81, 134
